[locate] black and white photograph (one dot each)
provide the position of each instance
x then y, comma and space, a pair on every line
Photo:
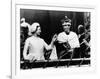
54, 38
50, 39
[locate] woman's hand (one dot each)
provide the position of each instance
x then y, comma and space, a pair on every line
54, 38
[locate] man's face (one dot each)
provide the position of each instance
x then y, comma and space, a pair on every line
38, 31
66, 26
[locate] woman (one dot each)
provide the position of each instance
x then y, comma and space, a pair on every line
36, 45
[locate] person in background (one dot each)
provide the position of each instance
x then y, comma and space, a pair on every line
24, 23
84, 37
24, 29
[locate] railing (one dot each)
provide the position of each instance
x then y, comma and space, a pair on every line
55, 63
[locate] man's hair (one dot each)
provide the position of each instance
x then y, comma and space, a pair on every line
81, 29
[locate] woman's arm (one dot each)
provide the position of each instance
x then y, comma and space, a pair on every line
51, 45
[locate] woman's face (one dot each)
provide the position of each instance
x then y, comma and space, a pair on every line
38, 31
66, 26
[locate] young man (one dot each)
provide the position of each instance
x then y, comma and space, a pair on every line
67, 39
35, 45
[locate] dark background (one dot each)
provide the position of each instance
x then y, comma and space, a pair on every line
50, 21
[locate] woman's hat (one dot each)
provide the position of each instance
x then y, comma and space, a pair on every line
33, 27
